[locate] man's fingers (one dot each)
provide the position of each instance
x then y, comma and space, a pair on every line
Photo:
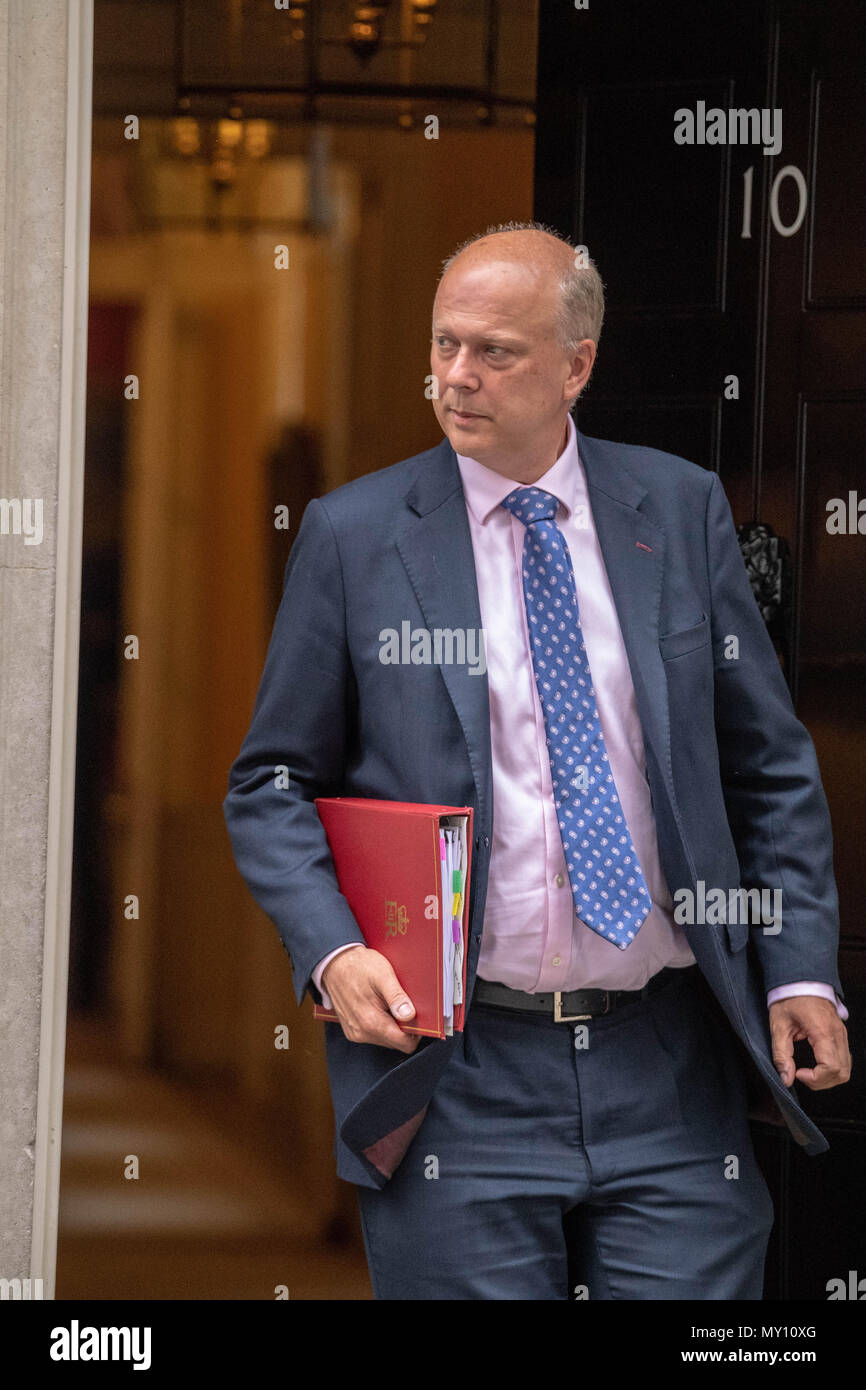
379, 1029
829, 1044
821, 1076
374, 1024
368, 998
832, 1062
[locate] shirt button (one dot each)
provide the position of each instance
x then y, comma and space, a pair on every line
557, 960
559, 880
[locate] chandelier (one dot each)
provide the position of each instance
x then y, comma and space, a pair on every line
250, 76
467, 61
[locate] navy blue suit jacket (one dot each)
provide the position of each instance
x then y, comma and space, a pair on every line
734, 780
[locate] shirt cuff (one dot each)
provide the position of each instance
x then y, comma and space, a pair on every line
320, 970
808, 987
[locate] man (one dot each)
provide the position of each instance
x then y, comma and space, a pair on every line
632, 745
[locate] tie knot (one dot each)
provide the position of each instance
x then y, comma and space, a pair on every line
530, 504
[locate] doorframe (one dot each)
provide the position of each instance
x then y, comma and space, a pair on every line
67, 601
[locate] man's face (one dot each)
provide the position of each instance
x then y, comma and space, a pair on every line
504, 382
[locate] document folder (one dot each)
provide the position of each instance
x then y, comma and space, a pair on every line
403, 867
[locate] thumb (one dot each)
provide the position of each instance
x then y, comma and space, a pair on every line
398, 1001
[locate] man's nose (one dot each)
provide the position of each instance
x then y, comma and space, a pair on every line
461, 372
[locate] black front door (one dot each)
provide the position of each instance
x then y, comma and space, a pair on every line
711, 160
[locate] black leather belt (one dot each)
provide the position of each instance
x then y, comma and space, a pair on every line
568, 1006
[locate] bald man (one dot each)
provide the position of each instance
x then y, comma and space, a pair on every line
587, 1135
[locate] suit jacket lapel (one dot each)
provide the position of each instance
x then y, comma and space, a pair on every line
436, 548
633, 549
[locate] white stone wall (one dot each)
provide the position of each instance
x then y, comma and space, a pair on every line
44, 192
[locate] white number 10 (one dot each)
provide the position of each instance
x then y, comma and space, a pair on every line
789, 171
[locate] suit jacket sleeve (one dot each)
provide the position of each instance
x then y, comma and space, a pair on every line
302, 722
776, 805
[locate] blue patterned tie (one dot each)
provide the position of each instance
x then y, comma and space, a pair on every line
607, 883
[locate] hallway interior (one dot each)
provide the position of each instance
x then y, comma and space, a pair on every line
211, 1215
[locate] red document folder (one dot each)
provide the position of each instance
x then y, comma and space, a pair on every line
387, 860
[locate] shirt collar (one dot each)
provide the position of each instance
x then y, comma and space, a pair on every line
485, 490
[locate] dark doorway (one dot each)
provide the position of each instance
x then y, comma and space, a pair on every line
735, 336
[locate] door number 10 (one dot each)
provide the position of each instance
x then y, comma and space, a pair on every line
790, 171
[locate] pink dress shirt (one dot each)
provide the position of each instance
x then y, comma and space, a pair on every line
533, 939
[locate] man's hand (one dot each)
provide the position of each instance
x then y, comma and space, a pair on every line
367, 997
815, 1019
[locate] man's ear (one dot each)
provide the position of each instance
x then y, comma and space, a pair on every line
582, 366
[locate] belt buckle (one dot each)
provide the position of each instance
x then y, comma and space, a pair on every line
560, 1017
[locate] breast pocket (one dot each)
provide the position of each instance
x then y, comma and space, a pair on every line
688, 639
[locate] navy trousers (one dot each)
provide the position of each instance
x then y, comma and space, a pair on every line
610, 1159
